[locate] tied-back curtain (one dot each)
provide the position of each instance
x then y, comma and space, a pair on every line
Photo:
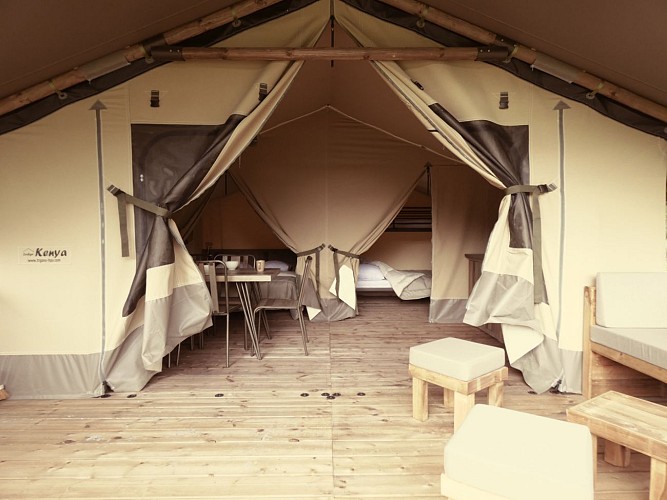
167, 278
510, 290
325, 182
168, 291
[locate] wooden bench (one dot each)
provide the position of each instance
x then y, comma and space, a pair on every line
608, 368
627, 423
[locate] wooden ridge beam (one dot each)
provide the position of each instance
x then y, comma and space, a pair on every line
168, 53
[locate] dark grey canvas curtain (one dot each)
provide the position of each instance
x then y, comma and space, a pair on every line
157, 250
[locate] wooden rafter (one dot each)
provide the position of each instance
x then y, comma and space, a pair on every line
134, 52
233, 13
559, 69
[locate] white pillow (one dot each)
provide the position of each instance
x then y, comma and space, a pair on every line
369, 272
277, 264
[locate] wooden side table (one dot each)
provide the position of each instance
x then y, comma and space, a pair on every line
627, 423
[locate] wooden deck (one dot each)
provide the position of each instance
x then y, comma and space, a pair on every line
263, 429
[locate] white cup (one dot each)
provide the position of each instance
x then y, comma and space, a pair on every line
260, 265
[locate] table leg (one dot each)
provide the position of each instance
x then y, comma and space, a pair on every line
246, 304
658, 483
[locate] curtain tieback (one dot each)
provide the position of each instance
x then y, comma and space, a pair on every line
123, 199
337, 264
315, 251
538, 276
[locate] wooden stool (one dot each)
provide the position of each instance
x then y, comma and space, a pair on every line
461, 368
501, 453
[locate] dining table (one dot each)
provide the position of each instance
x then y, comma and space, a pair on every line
244, 278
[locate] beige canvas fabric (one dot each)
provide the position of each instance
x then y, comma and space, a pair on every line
465, 208
328, 179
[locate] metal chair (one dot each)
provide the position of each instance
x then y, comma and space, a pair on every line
289, 304
222, 305
246, 261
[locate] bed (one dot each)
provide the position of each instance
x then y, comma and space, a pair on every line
379, 277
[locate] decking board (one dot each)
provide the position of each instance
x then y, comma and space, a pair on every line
263, 429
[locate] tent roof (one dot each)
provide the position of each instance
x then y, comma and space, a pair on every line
622, 43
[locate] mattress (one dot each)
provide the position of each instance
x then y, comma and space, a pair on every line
382, 284
407, 285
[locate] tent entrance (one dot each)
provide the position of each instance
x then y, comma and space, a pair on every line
319, 99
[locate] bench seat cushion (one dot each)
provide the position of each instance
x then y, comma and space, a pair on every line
647, 344
520, 455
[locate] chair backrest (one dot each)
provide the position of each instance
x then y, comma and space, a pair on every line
245, 261
302, 283
210, 270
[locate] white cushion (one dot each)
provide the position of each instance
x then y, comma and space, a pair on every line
370, 272
647, 344
457, 358
631, 300
521, 456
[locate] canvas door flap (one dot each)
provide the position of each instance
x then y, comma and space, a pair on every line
444, 95
157, 280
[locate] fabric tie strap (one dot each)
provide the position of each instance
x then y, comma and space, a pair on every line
337, 264
538, 276
315, 251
123, 200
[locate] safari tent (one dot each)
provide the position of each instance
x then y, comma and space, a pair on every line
551, 180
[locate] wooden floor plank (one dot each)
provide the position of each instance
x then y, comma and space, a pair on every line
266, 428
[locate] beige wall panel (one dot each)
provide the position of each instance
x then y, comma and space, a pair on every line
614, 210
196, 91
49, 199
117, 171
230, 222
465, 210
402, 250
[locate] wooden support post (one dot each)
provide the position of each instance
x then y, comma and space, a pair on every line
419, 399
616, 454
448, 397
463, 403
496, 394
658, 482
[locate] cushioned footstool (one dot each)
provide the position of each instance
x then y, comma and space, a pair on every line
461, 368
501, 453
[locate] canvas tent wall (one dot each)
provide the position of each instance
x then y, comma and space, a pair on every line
83, 338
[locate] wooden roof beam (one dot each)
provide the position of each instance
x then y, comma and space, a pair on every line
540, 61
168, 53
